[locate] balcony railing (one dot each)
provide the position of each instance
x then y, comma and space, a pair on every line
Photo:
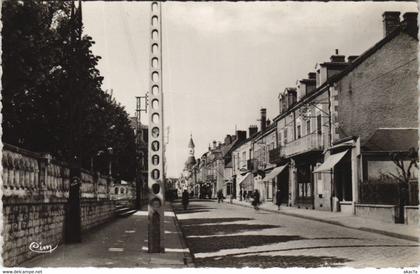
276, 155
310, 142
252, 165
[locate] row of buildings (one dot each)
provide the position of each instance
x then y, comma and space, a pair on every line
344, 139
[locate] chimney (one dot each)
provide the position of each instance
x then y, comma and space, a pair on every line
337, 58
391, 21
351, 58
228, 139
253, 129
214, 144
263, 119
241, 135
410, 23
312, 75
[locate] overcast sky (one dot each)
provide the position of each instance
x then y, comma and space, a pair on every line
223, 61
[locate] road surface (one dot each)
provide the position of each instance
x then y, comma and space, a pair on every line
226, 235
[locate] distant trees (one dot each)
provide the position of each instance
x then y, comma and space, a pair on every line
52, 96
406, 162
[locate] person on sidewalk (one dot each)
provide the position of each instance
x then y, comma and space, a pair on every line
240, 195
278, 199
256, 201
245, 196
185, 199
220, 196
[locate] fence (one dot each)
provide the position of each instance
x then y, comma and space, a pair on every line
35, 196
388, 193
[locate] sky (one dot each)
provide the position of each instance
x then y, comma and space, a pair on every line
224, 61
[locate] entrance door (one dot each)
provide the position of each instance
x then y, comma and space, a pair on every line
283, 185
343, 180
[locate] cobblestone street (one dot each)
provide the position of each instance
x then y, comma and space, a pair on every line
245, 237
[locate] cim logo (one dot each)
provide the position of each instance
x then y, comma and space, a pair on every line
40, 248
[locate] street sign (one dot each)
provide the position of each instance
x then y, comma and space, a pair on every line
156, 130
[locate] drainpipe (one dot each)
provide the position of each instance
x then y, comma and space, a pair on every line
294, 125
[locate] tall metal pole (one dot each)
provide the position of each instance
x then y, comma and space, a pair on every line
156, 132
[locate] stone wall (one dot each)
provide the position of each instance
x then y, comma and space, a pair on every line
383, 213
24, 224
35, 195
94, 213
411, 215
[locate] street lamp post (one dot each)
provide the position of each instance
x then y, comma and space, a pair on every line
110, 152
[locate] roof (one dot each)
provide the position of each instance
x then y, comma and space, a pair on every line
356, 62
228, 165
392, 139
267, 131
190, 162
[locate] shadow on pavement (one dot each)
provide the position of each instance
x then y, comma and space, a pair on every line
270, 261
222, 229
199, 221
205, 245
178, 208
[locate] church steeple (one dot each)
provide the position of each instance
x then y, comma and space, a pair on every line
191, 146
191, 159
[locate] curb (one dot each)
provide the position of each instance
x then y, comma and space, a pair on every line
188, 257
367, 229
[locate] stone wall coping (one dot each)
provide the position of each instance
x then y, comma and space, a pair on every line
346, 202
376, 205
412, 207
19, 150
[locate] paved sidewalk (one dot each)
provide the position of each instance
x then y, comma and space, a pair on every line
121, 243
402, 231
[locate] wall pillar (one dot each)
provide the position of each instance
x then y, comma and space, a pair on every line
355, 165
292, 183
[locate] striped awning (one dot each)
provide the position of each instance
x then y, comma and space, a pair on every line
330, 162
273, 174
247, 182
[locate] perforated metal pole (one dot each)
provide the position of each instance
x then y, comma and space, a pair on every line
156, 131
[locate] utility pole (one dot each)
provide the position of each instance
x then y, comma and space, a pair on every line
156, 132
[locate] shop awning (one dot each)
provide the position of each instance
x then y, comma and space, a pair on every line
274, 173
331, 162
247, 182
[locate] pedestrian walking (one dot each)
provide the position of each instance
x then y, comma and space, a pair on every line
245, 196
185, 199
256, 200
240, 195
220, 196
278, 199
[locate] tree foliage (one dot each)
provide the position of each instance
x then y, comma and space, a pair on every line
52, 96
